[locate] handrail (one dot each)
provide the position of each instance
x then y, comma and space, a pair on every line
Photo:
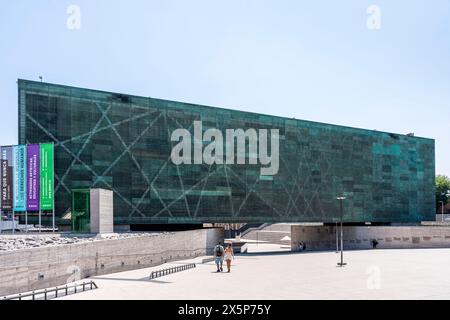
91, 285
167, 271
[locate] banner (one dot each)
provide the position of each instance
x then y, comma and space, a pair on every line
46, 176
20, 178
33, 157
6, 178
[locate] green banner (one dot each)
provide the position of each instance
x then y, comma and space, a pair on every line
46, 176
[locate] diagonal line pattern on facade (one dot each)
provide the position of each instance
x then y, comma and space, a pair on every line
115, 124
201, 192
136, 163
150, 186
256, 193
88, 139
290, 194
62, 183
230, 197
178, 167
127, 149
78, 159
248, 193
186, 192
155, 178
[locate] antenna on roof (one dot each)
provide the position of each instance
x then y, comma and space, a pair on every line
40, 78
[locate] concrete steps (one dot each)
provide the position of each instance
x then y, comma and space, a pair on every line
279, 233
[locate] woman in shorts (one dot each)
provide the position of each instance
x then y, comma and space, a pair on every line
229, 255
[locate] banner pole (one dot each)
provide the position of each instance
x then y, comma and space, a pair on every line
53, 183
13, 222
1, 210
40, 220
26, 221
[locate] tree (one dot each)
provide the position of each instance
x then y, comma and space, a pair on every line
442, 188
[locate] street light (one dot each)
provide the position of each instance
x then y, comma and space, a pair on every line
341, 200
337, 238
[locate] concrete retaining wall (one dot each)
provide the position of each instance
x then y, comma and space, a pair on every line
399, 237
38, 268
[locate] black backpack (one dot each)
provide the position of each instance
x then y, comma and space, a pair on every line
218, 250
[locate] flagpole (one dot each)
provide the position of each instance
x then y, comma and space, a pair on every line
53, 182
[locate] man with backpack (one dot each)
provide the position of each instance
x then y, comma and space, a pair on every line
218, 256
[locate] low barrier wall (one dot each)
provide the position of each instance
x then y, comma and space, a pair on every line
38, 268
398, 237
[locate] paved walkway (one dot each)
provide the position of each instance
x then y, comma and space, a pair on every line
372, 274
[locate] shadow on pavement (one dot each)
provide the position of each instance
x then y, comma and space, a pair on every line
146, 279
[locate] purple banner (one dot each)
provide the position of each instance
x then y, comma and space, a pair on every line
33, 152
6, 173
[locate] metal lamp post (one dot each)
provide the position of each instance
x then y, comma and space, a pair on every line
341, 199
337, 238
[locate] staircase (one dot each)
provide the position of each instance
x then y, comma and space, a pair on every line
270, 233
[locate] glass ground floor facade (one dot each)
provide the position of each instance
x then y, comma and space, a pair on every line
123, 143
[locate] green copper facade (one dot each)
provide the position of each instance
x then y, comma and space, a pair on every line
122, 142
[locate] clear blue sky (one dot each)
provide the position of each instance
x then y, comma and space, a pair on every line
313, 60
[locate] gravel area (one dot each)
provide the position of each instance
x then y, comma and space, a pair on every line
21, 242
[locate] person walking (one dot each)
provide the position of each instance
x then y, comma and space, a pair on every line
229, 255
218, 256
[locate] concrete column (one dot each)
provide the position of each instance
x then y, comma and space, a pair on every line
101, 211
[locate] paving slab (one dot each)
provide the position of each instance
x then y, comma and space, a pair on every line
370, 274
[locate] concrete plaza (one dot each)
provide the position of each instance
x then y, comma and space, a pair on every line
370, 274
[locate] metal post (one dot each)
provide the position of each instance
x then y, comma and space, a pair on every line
40, 220
13, 223
342, 238
442, 215
53, 191
26, 221
337, 238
